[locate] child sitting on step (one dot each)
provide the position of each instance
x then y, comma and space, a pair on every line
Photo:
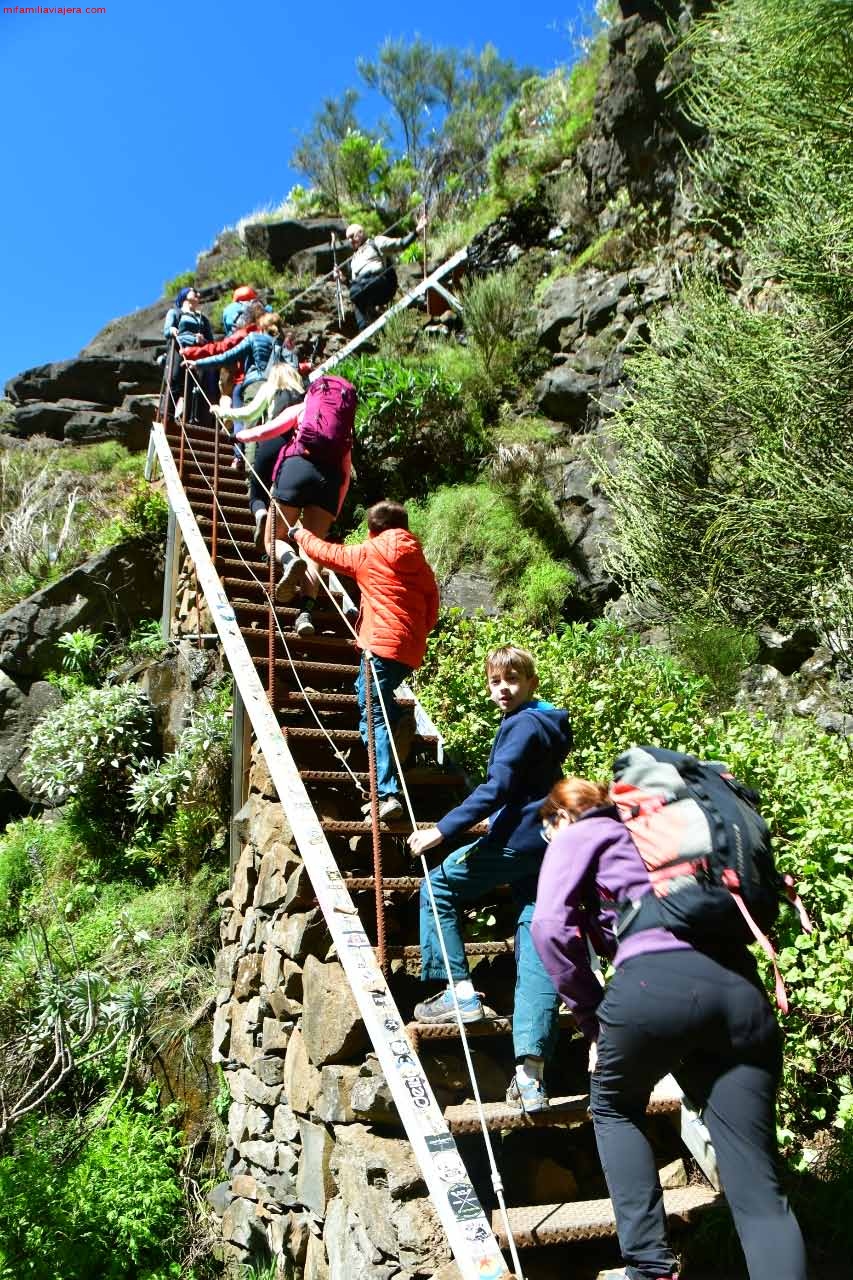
399, 608
532, 742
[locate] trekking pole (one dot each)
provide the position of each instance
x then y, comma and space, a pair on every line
339, 295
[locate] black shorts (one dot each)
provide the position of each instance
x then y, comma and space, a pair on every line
301, 483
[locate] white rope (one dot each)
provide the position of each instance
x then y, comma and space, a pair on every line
497, 1182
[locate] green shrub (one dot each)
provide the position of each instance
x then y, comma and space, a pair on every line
718, 652
109, 1208
411, 429
183, 280
258, 272
493, 306
731, 493
546, 123
480, 525
189, 784
144, 514
85, 751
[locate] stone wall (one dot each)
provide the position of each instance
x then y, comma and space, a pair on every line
318, 1175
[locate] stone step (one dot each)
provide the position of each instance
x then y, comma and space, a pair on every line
544, 1224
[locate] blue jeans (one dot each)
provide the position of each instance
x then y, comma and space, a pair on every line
390, 675
466, 874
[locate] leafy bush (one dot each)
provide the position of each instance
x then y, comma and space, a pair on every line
245, 270
410, 428
109, 1208
189, 783
731, 490
144, 514
480, 525
493, 306
85, 751
546, 123
619, 692
183, 280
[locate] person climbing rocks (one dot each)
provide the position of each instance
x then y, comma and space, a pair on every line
669, 1007
372, 279
532, 741
399, 608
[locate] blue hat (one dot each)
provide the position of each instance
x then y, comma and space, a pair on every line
182, 296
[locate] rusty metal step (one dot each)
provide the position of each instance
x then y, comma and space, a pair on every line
395, 884
449, 1031
503, 946
308, 669
566, 1111
542, 1224
418, 778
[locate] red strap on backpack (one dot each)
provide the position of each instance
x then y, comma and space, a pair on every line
732, 883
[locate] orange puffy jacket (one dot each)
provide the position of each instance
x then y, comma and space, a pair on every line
399, 596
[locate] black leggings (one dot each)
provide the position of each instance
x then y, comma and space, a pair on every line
707, 1021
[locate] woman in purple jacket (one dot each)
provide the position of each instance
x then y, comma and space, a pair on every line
668, 1008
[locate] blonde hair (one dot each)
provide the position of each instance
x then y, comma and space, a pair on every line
509, 657
574, 796
269, 322
283, 377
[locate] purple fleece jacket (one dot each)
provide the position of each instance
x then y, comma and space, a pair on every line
588, 866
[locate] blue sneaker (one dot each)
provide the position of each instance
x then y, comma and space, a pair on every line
440, 1008
527, 1095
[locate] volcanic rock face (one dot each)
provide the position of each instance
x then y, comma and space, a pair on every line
88, 399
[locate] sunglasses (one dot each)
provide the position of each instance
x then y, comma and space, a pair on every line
551, 822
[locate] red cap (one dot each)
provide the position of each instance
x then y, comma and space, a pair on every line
245, 293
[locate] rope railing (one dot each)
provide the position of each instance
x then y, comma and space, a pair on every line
267, 590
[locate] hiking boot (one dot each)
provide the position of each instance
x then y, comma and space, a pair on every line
619, 1273
440, 1008
292, 580
260, 529
390, 809
527, 1095
403, 733
303, 626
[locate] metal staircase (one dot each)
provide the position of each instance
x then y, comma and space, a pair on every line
297, 696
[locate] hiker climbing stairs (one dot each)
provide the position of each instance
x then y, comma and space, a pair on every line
298, 694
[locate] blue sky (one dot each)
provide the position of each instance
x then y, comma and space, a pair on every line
132, 137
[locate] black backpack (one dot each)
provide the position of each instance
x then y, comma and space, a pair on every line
706, 848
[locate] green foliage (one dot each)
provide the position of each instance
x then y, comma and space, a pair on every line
412, 433
146, 640
493, 307
480, 525
143, 514
183, 280
54, 501
255, 271
188, 785
619, 692
16, 868
85, 751
732, 489
108, 1208
546, 123
718, 652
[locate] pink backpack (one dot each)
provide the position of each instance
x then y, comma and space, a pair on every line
325, 432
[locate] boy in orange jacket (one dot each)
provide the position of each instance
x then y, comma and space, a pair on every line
399, 608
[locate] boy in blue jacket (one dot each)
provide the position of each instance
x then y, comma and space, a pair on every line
531, 744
